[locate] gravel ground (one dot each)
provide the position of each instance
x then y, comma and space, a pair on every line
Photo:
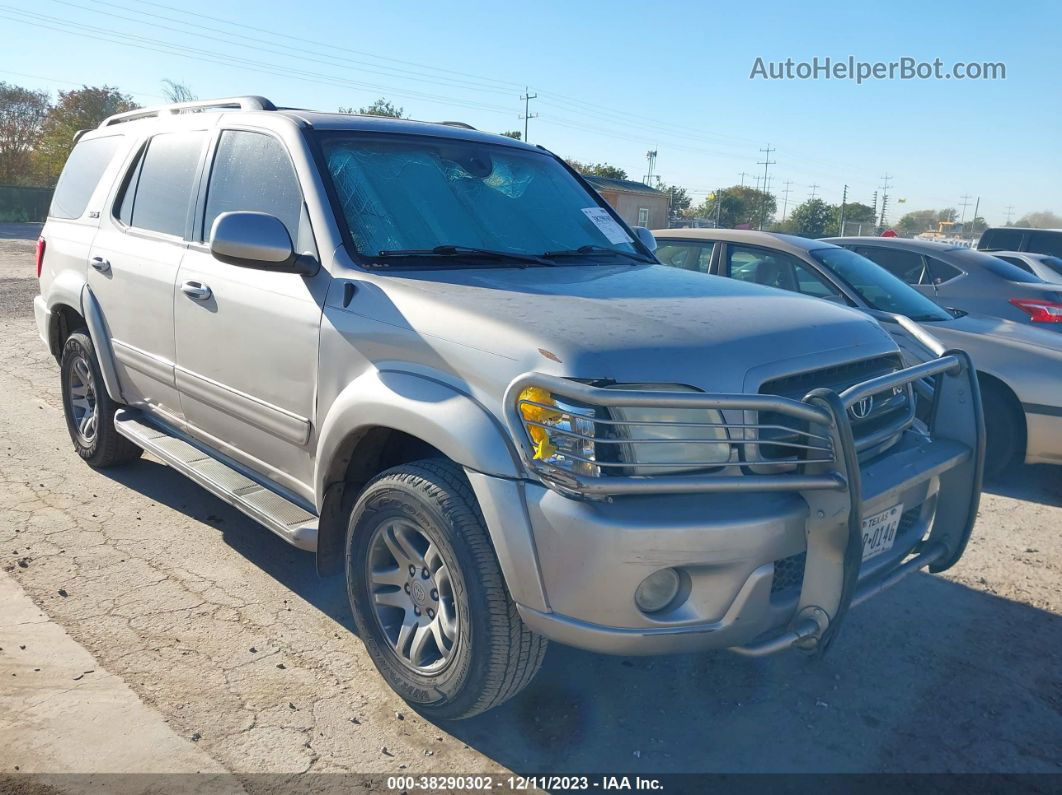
230, 636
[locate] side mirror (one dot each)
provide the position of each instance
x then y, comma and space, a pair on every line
645, 237
256, 240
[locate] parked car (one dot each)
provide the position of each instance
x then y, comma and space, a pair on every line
1017, 238
1019, 367
962, 278
1046, 266
436, 358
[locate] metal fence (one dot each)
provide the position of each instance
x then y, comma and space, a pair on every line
21, 203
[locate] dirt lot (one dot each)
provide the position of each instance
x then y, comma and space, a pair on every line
229, 636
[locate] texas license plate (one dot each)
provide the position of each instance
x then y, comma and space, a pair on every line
879, 531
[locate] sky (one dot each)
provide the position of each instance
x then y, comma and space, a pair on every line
617, 79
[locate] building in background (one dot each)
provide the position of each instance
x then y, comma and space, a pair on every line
637, 204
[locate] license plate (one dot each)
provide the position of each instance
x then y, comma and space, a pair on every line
879, 531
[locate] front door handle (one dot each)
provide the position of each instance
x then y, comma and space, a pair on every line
197, 291
100, 264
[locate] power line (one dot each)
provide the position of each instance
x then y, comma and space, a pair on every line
814, 189
1010, 212
964, 204
884, 198
785, 198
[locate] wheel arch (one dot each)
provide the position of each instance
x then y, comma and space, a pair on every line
989, 381
386, 418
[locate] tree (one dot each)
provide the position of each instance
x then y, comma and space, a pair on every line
1045, 219
859, 213
917, 222
813, 218
739, 206
22, 114
381, 107
515, 134
80, 109
948, 214
177, 92
598, 169
679, 199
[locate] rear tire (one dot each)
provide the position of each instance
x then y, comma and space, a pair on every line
428, 596
1004, 430
88, 408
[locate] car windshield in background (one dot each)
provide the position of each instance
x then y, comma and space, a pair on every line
879, 288
427, 197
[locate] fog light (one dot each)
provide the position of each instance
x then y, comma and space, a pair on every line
657, 590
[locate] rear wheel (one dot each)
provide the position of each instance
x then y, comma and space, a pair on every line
88, 408
1004, 429
428, 595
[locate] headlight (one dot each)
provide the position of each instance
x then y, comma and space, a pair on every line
686, 438
562, 434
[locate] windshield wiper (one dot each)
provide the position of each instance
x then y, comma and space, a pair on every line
467, 251
592, 250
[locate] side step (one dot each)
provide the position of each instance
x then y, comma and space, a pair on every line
291, 522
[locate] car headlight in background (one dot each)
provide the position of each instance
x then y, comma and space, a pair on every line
562, 434
670, 435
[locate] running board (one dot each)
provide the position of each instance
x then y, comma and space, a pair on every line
288, 520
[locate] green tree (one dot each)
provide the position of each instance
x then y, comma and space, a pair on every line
859, 213
514, 134
948, 214
739, 206
813, 218
1045, 219
177, 92
79, 109
598, 169
917, 222
381, 107
22, 114
679, 199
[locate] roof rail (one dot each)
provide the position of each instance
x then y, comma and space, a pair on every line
241, 103
460, 124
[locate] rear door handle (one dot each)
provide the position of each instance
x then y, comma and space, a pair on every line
100, 264
197, 291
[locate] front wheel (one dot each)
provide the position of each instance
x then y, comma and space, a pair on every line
428, 596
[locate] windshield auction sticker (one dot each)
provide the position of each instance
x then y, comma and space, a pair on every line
607, 224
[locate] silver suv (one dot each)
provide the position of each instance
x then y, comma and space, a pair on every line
437, 359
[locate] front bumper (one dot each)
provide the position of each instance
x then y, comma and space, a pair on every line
728, 539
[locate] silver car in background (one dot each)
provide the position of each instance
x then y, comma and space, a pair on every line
962, 278
1047, 266
1019, 367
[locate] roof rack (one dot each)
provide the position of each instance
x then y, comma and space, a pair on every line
460, 124
241, 103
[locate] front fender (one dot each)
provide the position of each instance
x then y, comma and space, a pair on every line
449, 420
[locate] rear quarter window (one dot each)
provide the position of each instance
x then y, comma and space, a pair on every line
81, 174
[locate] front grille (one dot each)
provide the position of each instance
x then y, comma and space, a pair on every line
789, 572
885, 409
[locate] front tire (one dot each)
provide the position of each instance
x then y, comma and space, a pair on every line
1004, 430
88, 408
428, 596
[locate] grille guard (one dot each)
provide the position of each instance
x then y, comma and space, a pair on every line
832, 489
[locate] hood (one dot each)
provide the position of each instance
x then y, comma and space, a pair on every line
628, 323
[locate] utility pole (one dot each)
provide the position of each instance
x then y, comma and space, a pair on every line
884, 198
785, 198
844, 200
527, 96
1010, 212
743, 175
718, 206
814, 189
973, 222
766, 163
651, 157
965, 203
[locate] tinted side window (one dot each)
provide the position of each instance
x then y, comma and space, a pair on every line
1000, 240
252, 172
1045, 243
162, 188
689, 256
83, 170
1019, 262
940, 272
776, 269
904, 265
